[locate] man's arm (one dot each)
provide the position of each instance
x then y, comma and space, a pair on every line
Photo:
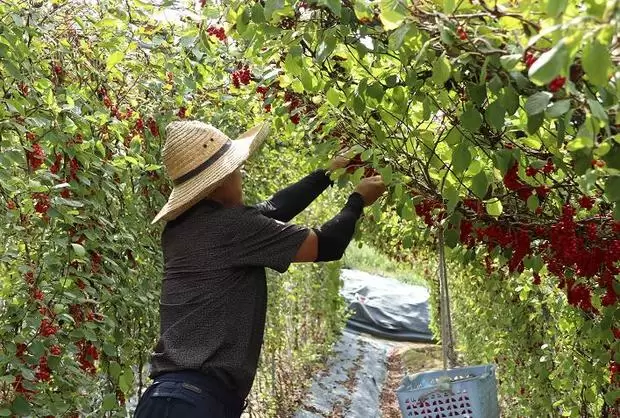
329, 242
289, 202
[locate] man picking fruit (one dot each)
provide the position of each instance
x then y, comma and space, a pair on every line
214, 291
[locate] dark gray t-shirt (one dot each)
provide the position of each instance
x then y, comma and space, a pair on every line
214, 291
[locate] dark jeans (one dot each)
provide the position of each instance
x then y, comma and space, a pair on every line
188, 394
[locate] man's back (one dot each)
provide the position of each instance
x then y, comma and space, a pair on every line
214, 294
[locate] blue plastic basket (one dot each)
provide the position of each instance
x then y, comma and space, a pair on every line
469, 392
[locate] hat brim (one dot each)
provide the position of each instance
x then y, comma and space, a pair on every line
190, 192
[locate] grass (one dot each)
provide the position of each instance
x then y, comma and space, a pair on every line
370, 260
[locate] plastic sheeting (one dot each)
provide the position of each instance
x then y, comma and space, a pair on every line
386, 308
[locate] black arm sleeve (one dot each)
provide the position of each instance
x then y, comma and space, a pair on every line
335, 235
287, 203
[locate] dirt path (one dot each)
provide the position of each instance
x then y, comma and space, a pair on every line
362, 377
403, 357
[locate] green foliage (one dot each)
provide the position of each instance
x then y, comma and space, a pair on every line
87, 90
367, 258
495, 123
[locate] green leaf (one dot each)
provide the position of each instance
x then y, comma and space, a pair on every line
612, 188
293, 62
461, 157
326, 47
449, 6
441, 70
597, 110
555, 8
596, 62
358, 105
471, 119
375, 90
509, 62
334, 5
478, 93
258, 13
400, 35
584, 137
109, 402
494, 207
386, 173
115, 370
113, 59
5, 412
534, 122
495, 115
502, 159
272, 6
126, 380
558, 108
20, 406
532, 203
392, 13
537, 102
453, 137
550, 64
480, 184
510, 100
333, 97
79, 250
307, 80
452, 196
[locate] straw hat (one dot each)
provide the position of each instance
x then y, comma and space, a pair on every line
197, 157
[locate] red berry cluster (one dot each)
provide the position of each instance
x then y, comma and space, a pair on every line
549, 167
153, 127
586, 202
461, 33
35, 157
357, 162
74, 167
47, 328
55, 168
556, 84
139, 125
182, 112
76, 312
262, 90
87, 355
219, 33
120, 397
42, 204
241, 76
23, 88
566, 246
57, 68
425, 209
37, 294
529, 59
95, 260
474, 204
55, 350
43, 373
294, 102
513, 183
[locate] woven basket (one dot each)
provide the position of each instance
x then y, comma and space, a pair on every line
469, 392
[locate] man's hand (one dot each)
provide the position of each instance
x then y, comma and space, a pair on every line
371, 188
340, 161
